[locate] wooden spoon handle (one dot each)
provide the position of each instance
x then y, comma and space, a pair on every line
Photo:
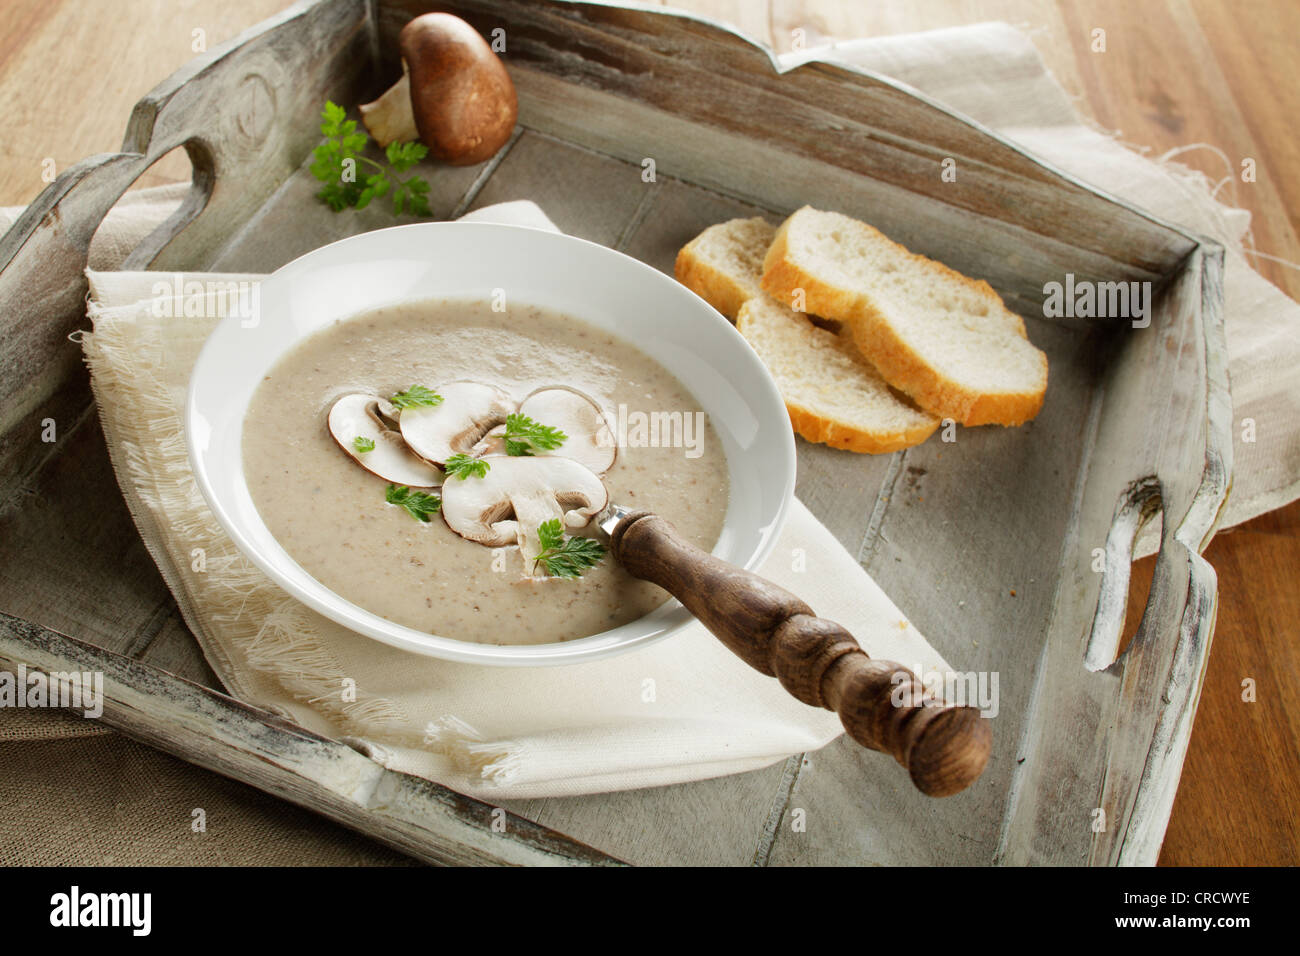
882, 705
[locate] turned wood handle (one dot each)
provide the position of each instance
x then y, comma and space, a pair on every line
943, 747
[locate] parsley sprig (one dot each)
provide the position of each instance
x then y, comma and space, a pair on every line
418, 504
523, 435
464, 466
363, 444
335, 164
417, 396
566, 557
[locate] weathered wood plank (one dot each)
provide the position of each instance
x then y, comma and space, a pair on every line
219, 733
292, 221
584, 193
175, 650
70, 557
677, 213
707, 823
42, 258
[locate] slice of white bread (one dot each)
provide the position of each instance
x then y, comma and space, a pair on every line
723, 264
833, 394
946, 340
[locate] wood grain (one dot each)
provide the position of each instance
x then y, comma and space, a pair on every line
70, 74
1149, 88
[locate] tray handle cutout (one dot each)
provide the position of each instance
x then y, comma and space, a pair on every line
1138, 503
202, 178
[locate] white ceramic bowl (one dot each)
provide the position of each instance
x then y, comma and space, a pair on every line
551, 270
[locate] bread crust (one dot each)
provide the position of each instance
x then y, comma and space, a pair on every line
712, 285
826, 431
880, 342
837, 432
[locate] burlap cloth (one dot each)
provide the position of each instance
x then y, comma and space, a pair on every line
989, 71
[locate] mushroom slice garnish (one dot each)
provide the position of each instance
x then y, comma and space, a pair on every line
465, 414
516, 496
589, 440
361, 427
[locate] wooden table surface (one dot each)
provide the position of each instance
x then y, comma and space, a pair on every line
1214, 74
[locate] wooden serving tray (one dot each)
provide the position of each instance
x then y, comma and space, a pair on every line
988, 543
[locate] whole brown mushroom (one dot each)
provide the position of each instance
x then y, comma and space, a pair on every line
454, 95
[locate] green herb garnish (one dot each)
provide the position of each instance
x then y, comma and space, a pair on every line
464, 466
363, 444
418, 504
417, 396
566, 557
335, 164
523, 435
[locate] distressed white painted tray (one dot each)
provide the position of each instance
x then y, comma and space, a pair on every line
1135, 426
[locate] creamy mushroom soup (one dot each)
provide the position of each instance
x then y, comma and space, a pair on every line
360, 534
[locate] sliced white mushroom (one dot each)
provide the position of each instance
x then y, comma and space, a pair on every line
467, 411
516, 496
590, 440
363, 429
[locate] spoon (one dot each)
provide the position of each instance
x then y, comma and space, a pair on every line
943, 746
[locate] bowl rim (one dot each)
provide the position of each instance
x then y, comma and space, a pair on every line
674, 618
